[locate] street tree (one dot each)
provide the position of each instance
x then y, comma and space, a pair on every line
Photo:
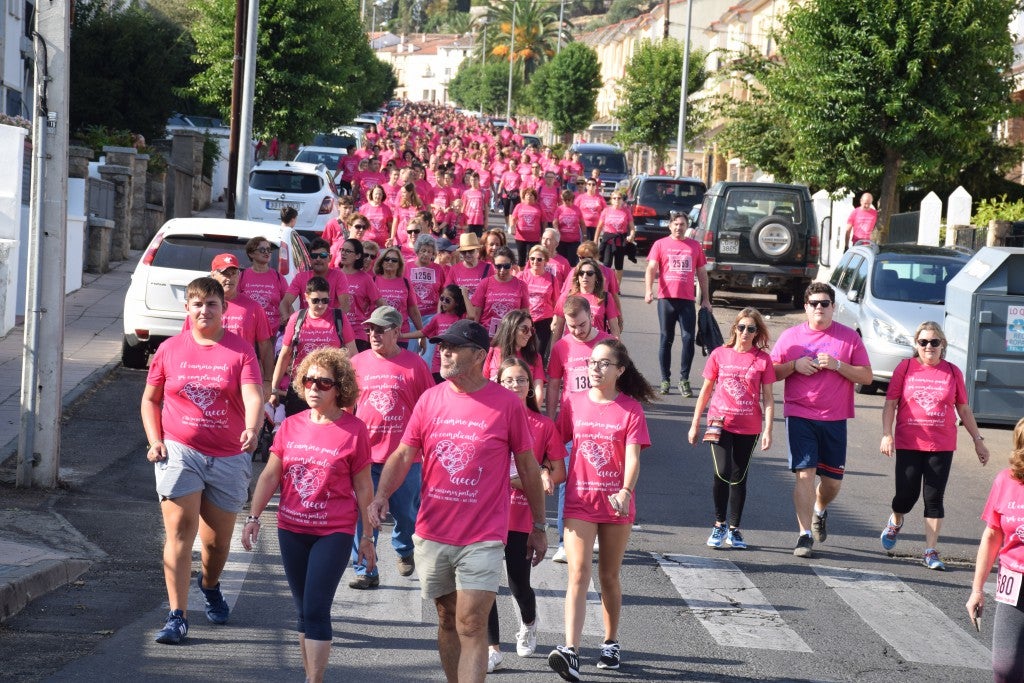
878, 94
536, 34
483, 87
649, 96
311, 69
564, 91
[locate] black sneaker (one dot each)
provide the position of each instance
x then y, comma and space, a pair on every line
819, 526
804, 546
609, 655
565, 662
175, 630
217, 610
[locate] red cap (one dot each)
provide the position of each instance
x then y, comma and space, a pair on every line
224, 261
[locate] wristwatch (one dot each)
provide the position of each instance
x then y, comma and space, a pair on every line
537, 526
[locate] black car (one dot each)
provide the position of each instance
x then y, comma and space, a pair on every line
652, 199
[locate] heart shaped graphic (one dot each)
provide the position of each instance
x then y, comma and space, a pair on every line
259, 297
500, 309
1020, 533
306, 480
382, 401
396, 301
309, 347
422, 292
926, 399
734, 387
597, 454
199, 394
452, 456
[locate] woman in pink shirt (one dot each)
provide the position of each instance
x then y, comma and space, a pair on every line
408, 206
474, 205
527, 223
361, 287
588, 281
590, 204
320, 460
378, 215
569, 222
543, 288
395, 288
498, 295
516, 338
451, 308
742, 372
608, 429
925, 396
615, 231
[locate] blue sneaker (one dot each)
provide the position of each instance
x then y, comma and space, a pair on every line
889, 534
718, 533
217, 610
735, 539
932, 561
175, 630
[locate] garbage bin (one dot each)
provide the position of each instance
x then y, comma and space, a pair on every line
984, 327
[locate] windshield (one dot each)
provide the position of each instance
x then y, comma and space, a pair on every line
611, 162
677, 193
196, 252
284, 181
328, 159
916, 278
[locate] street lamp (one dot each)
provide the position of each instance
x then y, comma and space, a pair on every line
561, 13
681, 131
511, 57
483, 61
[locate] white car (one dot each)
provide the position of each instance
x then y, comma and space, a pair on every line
181, 251
307, 188
328, 156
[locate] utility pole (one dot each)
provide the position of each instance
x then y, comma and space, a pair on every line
245, 127
511, 61
681, 132
236, 104
666, 19
42, 364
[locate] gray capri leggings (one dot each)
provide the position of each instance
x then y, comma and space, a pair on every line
1008, 644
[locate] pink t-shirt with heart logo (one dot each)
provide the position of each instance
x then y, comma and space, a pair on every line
388, 390
928, 395
738, 379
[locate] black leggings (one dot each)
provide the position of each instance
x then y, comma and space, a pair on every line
543, 328
1008, 643
915, 467
568, 250
731, 457
518, 568
313, 566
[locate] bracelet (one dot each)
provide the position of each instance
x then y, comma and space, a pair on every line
251, 520
366, 538
627, 490
979, 437
539, 526
251, 429
839, 364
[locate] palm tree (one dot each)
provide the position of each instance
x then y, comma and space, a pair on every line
536, 37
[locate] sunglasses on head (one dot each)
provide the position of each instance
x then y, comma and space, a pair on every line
322, 383
815, 303
746, 328
934, 343
320, 254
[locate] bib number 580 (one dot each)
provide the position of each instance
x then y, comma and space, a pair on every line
1008, 586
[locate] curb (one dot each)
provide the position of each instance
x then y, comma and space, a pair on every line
18, 590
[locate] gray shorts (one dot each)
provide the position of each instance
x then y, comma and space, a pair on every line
444, 569
223, 480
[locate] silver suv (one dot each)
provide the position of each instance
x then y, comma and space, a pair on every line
307, 188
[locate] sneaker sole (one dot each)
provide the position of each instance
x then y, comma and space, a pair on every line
602, 665
803, 552
170, 640
561, 667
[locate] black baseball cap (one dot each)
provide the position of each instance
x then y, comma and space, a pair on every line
464, 333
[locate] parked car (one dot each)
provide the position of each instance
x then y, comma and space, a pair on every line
328, 156
308, 188
532, 141
653, 198
759, 237
181, 251
341, 137
609, 159
884, 292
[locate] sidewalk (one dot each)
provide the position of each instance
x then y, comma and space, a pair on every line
39, 549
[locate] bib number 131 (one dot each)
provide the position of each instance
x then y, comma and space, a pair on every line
1008, 586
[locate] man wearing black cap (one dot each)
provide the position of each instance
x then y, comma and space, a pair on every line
466, 427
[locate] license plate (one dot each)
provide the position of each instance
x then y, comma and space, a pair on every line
729, 247
663, 223
276, 205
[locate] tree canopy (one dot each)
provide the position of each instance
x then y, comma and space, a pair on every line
649, 94
878, 94
564, 91
483, 87
536, 33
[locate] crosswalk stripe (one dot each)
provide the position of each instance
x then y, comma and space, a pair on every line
728, 605
917, 629
549, 580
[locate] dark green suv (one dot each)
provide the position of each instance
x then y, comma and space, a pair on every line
759, 237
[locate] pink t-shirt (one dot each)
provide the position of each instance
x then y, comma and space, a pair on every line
494, 299
926, 413
825, 395
397, 293
316, 333
427, 281
863, 222
461, 276
266, 289
493, 361
467, 441
615, 221
590, 206
202, 403
568, 362
336, 280
543, 292
527, 220
568, 220
547, 443
559, 266
548, 197
474, 206
601, 311
380, 218
244, 317
739, 378
388, 390
365, 295
319, 464
510, 180
678, 261
437, 326
1004, 510
600, 433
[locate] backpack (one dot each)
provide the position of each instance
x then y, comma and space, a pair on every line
338, 327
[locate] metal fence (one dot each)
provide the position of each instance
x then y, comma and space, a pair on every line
904, 227
101, 199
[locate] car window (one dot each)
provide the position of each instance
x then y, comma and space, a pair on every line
848, 275
612, 162
284, 181
328, 159
922, 280
300, 259
746, 206
860, 278
196, 252
332, 140
841, 269
671, 192
705, 211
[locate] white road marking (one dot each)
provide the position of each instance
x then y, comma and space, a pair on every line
549, 580
917, 629
728, 604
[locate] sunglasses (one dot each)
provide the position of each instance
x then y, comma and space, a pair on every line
525, 329
376, 329
360, 226
320, 254
815, 303
588, 273
468, 253
413, 232
348, 251
502, 266
318, 300
263, 250
391, 259
322, 383
746, 328
934, 343
515, 381
536, 259
446, 300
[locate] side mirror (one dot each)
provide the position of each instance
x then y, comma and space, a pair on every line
854, 296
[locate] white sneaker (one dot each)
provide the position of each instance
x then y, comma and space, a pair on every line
559, 556
494, 658
526, 639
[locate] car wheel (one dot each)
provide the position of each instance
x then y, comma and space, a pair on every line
773, 238
134, 356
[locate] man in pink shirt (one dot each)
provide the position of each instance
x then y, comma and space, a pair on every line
675, 260
466, 428
820, 361
391, 379
861, 222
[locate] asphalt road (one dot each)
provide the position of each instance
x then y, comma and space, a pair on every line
691, 613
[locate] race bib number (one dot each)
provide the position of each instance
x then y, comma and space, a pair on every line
578, 379
1008, 586
425, 275
679, 264
492, 327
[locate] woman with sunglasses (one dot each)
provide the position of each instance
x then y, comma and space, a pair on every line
320, 460
261, 283
591, 204
361, 288
468, 270
744, 373
517, 338
377, 215
569, 221
408, 206
451, 308
371, 250
543, 289
312, 328
514, 374
608, 429
925, 396
588, 281
498, 295
395, 289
